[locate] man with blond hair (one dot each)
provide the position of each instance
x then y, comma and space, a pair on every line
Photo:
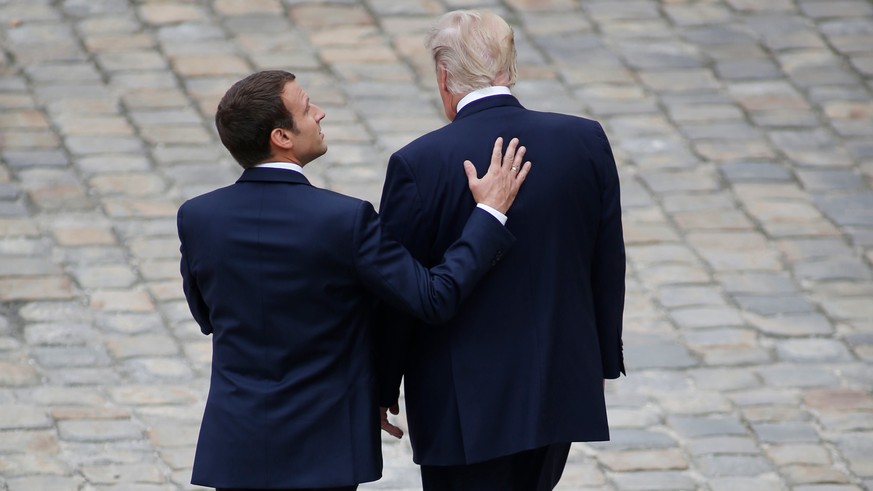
494, 401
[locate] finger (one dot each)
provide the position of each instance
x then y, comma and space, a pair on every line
510, 152
391, 429
470, 170
395, 409
519, 157
522, 174
496, 154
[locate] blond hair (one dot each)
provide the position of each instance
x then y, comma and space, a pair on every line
477, 49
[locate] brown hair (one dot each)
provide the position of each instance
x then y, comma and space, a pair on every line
248, 113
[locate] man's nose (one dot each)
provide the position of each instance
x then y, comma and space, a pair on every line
319, 113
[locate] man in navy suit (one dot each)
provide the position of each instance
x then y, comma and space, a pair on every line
284, 276
495, 396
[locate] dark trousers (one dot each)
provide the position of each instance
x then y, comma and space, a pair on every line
341, 488
539, 469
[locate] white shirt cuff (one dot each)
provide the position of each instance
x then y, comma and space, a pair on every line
496, 214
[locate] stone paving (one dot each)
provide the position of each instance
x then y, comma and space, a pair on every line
744, 135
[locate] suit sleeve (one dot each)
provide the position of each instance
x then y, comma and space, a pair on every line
196, 304
433, 295
609, 264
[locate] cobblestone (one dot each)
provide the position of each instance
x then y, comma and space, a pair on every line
728, 445
742, 133
732, 465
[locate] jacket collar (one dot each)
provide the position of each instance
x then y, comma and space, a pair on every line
273, 175
487, 103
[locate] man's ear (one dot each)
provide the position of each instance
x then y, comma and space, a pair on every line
443, 79
281, 137
448, 99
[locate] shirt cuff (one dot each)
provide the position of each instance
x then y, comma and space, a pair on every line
496, 214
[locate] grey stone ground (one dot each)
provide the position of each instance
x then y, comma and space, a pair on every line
744, 135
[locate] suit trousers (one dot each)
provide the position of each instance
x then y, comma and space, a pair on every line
539, 469
340, 488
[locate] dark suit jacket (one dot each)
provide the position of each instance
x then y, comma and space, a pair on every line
522, 364
284, 276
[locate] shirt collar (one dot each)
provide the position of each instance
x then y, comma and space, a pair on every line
481, 94
281, 165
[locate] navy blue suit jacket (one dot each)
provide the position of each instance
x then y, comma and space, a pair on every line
284, 276
522, 364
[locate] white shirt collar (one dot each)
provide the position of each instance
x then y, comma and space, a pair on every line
281, 165
481, 94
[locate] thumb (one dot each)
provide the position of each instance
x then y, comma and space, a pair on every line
470, 169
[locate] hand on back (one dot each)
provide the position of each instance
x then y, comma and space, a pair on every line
499, 186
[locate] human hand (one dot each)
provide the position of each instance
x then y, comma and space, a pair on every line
499, 186
387, 427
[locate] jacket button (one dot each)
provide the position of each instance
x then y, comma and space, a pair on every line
497, 257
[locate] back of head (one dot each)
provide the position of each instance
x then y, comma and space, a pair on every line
477, 49
248, 113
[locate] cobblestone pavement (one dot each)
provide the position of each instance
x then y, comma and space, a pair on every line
744, 135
